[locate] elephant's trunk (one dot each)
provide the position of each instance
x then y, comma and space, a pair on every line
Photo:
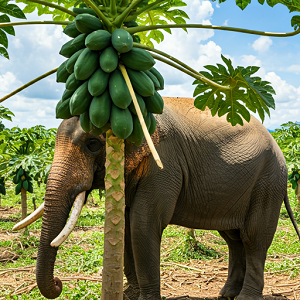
56, 212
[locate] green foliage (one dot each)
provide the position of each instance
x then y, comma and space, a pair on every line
288, 139
14, 11
247, 93
6, 114
158, 14
30, 149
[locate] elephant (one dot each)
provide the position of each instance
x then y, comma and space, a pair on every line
216, 176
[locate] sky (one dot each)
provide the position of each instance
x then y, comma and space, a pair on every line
34, 51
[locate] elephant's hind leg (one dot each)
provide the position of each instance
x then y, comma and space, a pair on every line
237, 264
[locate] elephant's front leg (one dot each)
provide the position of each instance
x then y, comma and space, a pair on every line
132, 290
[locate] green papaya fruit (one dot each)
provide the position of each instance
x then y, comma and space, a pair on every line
121, 122
71, 30
141, 103
137, 134
131, 23
87, 23
63, 109
136, 38
138, 59
81, 10
72, 83
80, 100
97, 131
148, 120
141, 83
98, 40
100, 110
72, 60
18, 188
20, 172
62, 74
152, 125
109, 60
67, 50
15, 179
25, 185
159, 77
155, 103
66, 95
86, 64
98, 82
30, 188
118, 90
121, 40
154, 79
85, 122
79, 42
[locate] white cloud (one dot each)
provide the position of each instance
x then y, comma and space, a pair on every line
225, 22
204, 9
7, 80
262, 44
294, 69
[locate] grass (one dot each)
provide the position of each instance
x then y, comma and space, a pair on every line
82, 253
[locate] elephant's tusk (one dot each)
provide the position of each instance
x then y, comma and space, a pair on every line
77, 207
31, 218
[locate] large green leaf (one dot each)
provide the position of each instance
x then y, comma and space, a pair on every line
9, 29
3, 52
11, 9
247, 93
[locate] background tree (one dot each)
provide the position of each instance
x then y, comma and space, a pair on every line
26, 156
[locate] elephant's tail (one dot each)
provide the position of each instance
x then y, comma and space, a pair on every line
291, 214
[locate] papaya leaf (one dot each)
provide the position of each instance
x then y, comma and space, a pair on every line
163, 13
12, 10
295, 22
242, 4
9, 29
3, 39
3, 52
247, 93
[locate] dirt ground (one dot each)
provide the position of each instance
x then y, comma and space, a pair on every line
195, 280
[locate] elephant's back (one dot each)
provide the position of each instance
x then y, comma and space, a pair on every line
217, 133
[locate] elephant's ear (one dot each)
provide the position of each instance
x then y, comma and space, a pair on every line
134, 155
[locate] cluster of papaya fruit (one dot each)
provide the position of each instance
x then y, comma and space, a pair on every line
22, 180
95, 87
2, 186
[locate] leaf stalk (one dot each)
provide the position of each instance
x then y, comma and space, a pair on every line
28, 84
99, 13
65, 10
141, 118
133, 30
35, 23
120, 19
197, 76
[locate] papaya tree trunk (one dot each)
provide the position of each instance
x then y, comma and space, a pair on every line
0, 200
112, 275
24, 203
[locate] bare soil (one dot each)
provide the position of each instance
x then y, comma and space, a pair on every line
200, 280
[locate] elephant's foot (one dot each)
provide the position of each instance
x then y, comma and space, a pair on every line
243, 296
231, 290
149, 296
131, 292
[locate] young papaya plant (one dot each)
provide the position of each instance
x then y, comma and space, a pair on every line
112, 44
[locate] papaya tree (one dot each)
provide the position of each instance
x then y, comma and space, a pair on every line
111, 83
26, 157
6, 114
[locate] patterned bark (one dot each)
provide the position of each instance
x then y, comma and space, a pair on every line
112, 276
24, 203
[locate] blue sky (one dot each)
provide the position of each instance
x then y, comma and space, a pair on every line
34, 51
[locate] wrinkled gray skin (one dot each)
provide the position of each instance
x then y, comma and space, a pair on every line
215, 176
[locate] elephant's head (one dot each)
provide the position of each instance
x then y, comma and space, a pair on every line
78, 166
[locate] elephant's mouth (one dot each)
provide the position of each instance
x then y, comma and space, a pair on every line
80, 200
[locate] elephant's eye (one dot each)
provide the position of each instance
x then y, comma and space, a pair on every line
94, 145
